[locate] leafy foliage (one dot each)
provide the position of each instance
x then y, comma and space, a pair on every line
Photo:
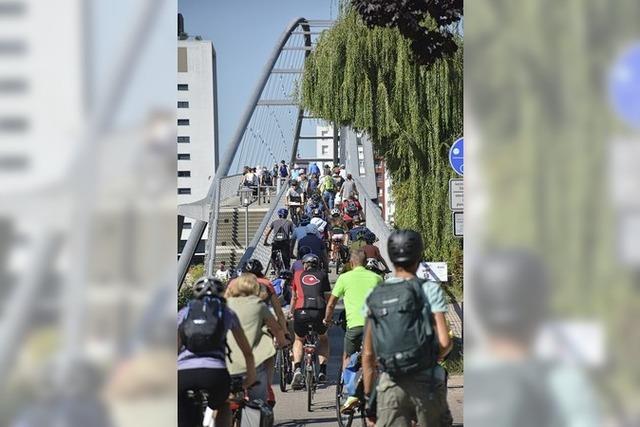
368, 78
426, 24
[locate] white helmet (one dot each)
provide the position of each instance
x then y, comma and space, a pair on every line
335, 212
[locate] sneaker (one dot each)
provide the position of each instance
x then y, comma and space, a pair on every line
349, 406
322, 377
298, 380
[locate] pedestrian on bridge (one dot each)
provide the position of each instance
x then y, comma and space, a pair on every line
328, 188
314, 169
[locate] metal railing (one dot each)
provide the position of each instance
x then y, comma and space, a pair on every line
374, 220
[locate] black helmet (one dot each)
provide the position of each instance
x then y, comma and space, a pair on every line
285, 274
207, 286
510, 292
316, 197
405, 247
370, 237
253, 266
311, 259
317, 213
303, 251
304, 220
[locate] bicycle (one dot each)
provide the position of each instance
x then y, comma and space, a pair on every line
276, 261
283, 365
310, 361
346, 419
237, 400
343, 257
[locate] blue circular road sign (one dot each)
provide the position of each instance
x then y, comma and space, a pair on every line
624, 86
456, 156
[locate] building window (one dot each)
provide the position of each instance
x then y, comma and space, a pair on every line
183, 122
184, 139
184, 191
325, 150
183, 87
186, 226
184, 156
182, 60
184, 174
183, 104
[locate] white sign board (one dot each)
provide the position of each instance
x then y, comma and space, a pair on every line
458, 224
456, 194
434, 271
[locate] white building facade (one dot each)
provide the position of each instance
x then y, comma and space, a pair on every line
324, 145
197, 124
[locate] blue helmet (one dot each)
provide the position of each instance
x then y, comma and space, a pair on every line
283, 212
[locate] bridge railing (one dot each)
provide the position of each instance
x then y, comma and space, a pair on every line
256, 249
374, 220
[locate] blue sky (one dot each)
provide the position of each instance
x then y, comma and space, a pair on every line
244, 33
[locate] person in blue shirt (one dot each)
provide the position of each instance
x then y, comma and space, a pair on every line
314, 169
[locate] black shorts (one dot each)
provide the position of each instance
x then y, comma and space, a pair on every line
302, 318
216, 381
353, 340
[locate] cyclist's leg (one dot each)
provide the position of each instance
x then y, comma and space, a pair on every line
352, 343
286, 255
259, 391
321, 329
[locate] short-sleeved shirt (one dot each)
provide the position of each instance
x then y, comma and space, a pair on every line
188, 360
310, 278
354, 286
252, 314
434, 293
294, 196
314, 243
285, 224
302, 230
348, 188
320, 224
314, 169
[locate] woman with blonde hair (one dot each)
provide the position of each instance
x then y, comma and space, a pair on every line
243, 298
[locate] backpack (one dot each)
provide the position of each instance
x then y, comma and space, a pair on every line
266, 179
513, 394
202, 329
281, 235
352, 208
328, 184
312, 291
402, 327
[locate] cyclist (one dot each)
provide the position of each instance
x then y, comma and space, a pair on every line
319, 222
337, 233
294, 200
204, 367
352, 208
268, 296
328, 188
305, 227
353, 286
373, 252
314, 202
297, 265
317, 247
407, 343
356, 237
282, 238
253, 315
309, 303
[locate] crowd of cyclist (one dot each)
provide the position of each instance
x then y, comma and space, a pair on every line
233, 329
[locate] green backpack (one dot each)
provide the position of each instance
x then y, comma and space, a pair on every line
402, 327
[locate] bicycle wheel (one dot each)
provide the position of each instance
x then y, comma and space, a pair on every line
310, 384
282, 370
344, 420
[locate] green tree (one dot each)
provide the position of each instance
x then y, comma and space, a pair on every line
369, 79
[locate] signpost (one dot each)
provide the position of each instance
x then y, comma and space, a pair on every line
458, 224
456, 194
456, 156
